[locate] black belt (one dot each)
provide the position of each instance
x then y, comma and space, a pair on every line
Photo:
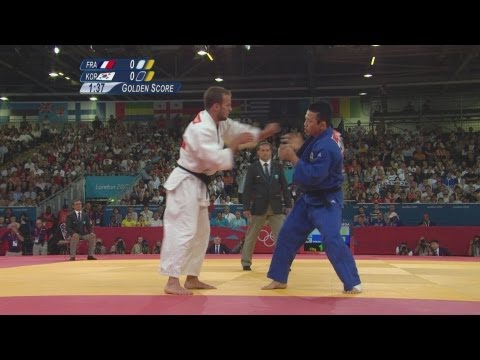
322, 194
204, 177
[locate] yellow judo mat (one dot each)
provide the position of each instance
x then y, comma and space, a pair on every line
392, 277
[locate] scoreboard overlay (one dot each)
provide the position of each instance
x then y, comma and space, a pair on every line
123, 77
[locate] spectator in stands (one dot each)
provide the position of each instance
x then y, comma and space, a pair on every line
134, 213
3, 153
211, 206
156, 221
118, 215
437, 250
361, 221
375, 211
217, 247
474, 247
403, 249
111, 122
359, 131
141, 222
423, 248
48, 218
114, 221
129, 221
426, 221
227, 214
228, 182
62, 214
238, 221
380, 128
378, 221
219, 220
361, 211
157, 197
393, 220
87, 208
96, 124
391, 209
147, 213
376, 198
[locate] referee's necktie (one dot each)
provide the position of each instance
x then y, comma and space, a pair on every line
266, 170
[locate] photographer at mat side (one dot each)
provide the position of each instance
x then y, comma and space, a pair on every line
403, 249
423, 248
474, 248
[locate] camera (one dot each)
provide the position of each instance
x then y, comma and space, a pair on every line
145, 246
403, 249
120, 246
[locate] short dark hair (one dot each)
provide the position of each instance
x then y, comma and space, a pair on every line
214, 95
264, 143
323, 111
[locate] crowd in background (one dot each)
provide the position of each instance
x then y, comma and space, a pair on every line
38, 161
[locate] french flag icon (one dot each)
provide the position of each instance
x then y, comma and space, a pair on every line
108, 64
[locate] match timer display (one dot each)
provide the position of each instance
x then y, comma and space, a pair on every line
123, 77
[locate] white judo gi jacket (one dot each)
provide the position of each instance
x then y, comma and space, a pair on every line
186, 222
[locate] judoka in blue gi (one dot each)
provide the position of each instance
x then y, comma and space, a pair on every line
318, 174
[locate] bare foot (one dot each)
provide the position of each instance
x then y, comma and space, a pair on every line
275, 285
192, 282
173, 287
357, 289
176, 289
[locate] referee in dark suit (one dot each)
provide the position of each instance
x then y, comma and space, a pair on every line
79, 227
264, 195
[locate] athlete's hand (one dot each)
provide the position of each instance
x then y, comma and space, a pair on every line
242, 138
286, 153
270, 129
295, 140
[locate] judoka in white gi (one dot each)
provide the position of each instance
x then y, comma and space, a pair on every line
186, 222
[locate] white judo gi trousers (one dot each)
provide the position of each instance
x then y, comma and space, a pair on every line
186, 225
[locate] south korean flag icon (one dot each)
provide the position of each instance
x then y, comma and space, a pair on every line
108, 76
